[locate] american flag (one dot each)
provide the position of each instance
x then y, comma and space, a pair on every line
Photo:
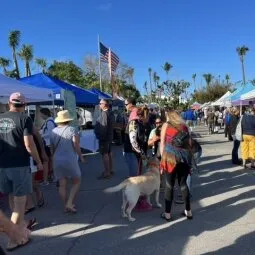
108, 56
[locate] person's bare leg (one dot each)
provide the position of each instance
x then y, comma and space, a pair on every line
110, 163
18, 209
62, 189
11, 202
106, 162
74, 189
30, 203
45, 171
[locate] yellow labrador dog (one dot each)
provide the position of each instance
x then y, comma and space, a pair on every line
133, 187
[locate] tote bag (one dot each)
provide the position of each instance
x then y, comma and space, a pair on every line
239, 131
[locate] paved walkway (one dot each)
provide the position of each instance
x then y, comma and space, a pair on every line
223, 207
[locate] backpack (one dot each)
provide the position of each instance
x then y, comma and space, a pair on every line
181, 139
45, 125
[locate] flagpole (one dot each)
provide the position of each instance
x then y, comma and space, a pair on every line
99, 63
110, 69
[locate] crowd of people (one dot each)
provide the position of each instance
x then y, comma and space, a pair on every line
234, 120
54, 150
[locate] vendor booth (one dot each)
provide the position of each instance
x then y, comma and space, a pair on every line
31, 93
82, 96
220, 101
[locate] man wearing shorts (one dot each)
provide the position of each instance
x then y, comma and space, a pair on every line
16, 146
104, 133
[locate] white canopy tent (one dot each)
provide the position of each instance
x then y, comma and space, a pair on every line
221, 101
32, 94
249, 96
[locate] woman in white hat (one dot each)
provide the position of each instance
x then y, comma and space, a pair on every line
65, 144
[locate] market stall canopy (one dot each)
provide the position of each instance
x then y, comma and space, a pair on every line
205, 105
32, 94
40, 80
100, 94
195, 106
235, 97
220, 101
248, 96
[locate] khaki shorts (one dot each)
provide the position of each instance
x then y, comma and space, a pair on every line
16, 181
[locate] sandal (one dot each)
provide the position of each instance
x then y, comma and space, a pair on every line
104, 176
186, 215
12, 248
31, 223
70, 210
163, 216
29, 210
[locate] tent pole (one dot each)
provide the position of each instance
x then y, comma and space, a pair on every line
53, 105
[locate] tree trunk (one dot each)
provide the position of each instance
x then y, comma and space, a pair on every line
14, 56
150, 87
26, 69
242, 61
5, 71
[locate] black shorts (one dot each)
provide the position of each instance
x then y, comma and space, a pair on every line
105, 147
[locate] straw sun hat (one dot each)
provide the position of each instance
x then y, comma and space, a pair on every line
63, 116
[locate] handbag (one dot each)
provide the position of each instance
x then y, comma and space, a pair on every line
239, 131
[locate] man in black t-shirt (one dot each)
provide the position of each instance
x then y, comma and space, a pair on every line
104, 133
16, 146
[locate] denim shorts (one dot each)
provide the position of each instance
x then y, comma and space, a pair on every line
16, 181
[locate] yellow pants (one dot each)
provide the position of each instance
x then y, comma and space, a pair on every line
248, 147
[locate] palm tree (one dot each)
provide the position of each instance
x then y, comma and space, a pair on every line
130, 73
150, 71
208, 78
241, 51
227, 78
26, 54
42, 63
194, 75
4, 63
14, 40
167, 67
155, 80
146, 87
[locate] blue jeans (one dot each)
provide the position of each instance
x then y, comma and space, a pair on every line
196, 157
132, 163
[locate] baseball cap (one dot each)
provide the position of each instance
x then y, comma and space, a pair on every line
17, 98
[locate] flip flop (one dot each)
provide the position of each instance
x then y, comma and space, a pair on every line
70, 210
188, 217
18, 246
29, 210
163, 216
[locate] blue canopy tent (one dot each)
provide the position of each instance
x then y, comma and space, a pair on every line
100, 94
41, 80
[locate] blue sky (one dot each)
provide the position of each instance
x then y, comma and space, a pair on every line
195, 36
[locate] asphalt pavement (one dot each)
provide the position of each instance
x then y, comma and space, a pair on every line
223, 206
